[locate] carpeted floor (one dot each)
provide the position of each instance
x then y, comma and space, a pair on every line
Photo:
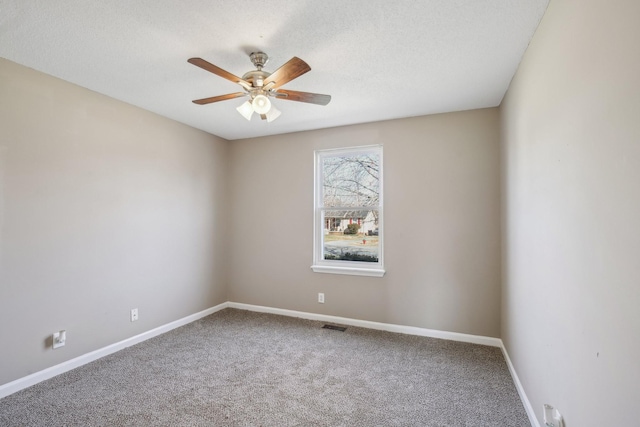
239, 368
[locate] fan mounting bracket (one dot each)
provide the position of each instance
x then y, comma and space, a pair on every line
259, 59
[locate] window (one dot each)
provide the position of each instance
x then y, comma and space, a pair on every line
348, 211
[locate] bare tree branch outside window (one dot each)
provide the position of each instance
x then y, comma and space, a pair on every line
351, 182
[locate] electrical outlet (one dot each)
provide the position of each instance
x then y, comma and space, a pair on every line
552, 417
321, 298
59, 339
134, 314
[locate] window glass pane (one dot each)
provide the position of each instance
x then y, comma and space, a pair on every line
351, 235
351, 180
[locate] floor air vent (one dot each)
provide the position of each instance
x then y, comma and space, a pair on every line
335, 328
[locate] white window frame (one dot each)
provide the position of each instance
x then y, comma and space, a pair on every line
356, 268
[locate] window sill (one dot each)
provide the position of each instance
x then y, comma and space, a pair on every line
353, 271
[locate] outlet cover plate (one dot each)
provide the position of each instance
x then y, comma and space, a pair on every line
59, 339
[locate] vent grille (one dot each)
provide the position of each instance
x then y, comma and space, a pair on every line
335, 328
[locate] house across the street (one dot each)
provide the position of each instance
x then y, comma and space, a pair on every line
338, 221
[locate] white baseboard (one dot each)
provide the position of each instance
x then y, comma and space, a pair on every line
45, 374
523, 396
409, 330
28, 381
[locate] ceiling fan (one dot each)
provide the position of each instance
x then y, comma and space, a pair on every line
260, 85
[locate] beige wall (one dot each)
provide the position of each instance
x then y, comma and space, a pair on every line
442, 222
571, 131
103, 207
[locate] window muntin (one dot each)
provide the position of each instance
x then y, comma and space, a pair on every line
348, 211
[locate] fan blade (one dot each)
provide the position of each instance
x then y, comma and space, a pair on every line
294, 68
311, 98
199, 62
204, 101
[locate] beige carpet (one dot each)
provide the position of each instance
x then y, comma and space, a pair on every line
238, 368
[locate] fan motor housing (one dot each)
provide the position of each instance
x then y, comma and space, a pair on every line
256, 77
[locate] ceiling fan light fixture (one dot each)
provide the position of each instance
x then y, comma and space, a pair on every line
273, 114
259, 85
261, 104
246, 109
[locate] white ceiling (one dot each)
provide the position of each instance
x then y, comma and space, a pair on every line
378, 59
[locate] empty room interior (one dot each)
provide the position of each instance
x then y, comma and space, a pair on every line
509, 134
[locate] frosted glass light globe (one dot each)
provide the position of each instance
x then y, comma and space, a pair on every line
261, 104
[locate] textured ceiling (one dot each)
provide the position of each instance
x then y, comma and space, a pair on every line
378, 59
